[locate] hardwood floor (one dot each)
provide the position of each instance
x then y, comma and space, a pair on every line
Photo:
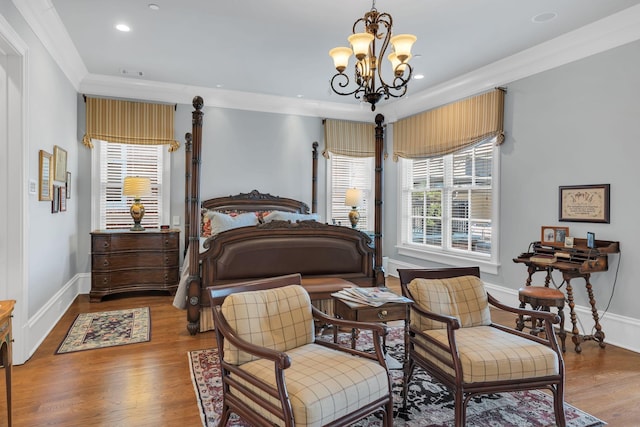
148, 384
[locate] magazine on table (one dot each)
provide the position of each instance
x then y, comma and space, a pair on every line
373, 296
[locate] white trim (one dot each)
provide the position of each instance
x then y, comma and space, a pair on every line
43, 322
613, 31
620, 331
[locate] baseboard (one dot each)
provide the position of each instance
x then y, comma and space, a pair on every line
619, 330
40, 324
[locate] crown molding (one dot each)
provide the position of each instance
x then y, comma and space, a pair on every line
610, 32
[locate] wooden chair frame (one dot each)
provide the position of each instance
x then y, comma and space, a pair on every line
230, 373
464, 391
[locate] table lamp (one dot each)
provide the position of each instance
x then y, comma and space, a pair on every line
353, 198
136, 187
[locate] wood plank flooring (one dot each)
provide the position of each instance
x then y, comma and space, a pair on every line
148, 384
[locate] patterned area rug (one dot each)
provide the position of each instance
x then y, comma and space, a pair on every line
107, 329
430, 404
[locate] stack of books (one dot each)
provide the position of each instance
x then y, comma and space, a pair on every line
374, 296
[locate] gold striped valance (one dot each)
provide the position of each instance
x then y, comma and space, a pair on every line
128, 122
354, 139
451, 127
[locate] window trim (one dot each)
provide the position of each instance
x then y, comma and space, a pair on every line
95, 185
489, 264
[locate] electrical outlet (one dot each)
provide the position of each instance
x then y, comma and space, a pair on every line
176, 220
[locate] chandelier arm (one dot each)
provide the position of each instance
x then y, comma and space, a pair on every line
336, 79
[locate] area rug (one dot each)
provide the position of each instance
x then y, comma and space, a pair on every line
107, 329
429, 405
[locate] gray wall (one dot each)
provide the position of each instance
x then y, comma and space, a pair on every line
576, 124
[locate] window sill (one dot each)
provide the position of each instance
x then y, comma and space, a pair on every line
448, 258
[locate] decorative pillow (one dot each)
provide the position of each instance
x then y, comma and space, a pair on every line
221, 222
205, 223
463, 297
289, 216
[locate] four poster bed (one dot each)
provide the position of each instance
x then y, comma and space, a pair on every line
255, 235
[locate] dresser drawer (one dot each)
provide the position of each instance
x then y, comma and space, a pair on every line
385, 313
139, 259
133, 241
134, 277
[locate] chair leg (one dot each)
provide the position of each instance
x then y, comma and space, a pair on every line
459, 408
520, 318
388, 416
224, 417
562, 333
558, 405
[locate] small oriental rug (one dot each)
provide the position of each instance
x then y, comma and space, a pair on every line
430, 403
107, 329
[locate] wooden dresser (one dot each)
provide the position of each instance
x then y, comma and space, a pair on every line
126, 261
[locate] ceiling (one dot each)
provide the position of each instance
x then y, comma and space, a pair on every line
280, 47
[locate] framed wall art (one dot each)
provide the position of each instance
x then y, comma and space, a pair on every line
63, 198
60, 164
551, 235
67, 186
584, 203
55, 202
44, 180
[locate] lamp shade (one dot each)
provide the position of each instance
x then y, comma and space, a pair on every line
353, 197
402, 44
360, 43
136, 186
340, 57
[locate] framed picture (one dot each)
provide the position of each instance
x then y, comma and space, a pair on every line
551, 235
584, 203
44, 172
67, 186
60, 164
63, 198
55, 202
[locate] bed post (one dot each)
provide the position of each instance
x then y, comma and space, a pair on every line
193, 283
379, 147
187, 191
314, 178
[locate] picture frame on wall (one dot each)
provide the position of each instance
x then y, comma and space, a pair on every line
552, 235
67, 186
60, 164
44, 177
585, 203
55, 202
63, 198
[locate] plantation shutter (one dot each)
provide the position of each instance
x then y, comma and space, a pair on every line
351, 172
118, 161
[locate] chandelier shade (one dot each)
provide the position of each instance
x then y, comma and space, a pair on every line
369, 47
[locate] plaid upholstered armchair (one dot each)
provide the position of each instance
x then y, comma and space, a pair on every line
274, 371
452, 337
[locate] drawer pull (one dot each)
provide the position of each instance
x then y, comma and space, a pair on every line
105, 281
166, 242
166, 277
105, 244
382, 314
105, 263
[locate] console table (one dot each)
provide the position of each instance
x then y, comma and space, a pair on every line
6, 310
125, 261
576, 262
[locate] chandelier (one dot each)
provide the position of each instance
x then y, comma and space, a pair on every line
370, 84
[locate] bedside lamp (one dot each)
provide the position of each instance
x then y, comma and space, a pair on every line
353, 198
136, 187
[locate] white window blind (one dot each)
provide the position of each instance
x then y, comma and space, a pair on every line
448, 201
350, 172
116, 161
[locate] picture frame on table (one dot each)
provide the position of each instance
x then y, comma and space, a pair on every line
60, 164
55, 201
552, 235
585, 203
45, 187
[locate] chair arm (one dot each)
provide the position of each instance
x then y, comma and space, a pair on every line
450, 321
225, 331
543, 315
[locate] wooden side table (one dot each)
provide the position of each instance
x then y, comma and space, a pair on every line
6, 310
365, 313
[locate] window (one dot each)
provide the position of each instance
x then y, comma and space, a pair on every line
350, 172
112, 163
448, 203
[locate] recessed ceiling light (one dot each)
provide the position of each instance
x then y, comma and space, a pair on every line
544, 17
419, 76
122, 27
154, 6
